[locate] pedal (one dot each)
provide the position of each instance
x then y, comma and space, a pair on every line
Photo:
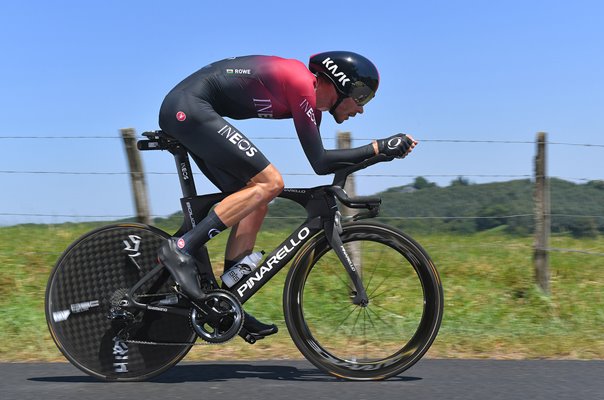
250, 337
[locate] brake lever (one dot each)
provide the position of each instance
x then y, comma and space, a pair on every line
372, 213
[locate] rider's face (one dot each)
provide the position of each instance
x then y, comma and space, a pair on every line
346, 109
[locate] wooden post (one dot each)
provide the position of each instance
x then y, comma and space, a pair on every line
344, 142
542, 216
137, 177
354, 250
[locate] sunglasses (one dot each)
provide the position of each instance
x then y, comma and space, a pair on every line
361, 93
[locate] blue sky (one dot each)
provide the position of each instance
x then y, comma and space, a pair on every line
450, 70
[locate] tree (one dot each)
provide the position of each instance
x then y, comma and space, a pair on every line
492, 216
422, 183
599, 184
460, 181
583, 228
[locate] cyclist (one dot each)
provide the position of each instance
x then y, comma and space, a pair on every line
340, 82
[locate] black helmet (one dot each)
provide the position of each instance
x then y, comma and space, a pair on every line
352, 74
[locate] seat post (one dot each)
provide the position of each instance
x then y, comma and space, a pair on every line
185, 173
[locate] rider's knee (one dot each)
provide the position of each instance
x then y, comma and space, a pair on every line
277, 186
272, 188
268, 184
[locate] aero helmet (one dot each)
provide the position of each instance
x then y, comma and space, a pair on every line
352, 74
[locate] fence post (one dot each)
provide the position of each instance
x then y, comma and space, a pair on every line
344, 142
137, 177
542, 216
353, 249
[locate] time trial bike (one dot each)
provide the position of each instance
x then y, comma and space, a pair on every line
362, 300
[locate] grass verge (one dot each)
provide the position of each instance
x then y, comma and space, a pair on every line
492, 307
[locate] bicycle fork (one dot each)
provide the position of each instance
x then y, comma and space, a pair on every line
333, 230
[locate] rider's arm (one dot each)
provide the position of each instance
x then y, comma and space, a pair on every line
306, 118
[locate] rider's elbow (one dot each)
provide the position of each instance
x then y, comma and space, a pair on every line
321, 169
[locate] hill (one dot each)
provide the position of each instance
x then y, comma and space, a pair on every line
463, 207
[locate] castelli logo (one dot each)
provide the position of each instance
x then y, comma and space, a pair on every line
181, 116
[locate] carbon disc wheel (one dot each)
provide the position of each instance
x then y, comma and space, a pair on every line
85, 288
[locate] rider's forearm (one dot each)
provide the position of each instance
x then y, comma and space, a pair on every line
328, 161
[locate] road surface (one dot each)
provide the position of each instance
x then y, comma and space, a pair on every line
295, 379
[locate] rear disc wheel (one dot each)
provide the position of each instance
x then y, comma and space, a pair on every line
85, 289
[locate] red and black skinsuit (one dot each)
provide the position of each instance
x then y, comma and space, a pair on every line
241, 88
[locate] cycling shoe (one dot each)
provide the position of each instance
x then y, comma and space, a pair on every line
182, 267
254, 330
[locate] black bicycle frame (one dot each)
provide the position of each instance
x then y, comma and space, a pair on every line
319, 214
322, 215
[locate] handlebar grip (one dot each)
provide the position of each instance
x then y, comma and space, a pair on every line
363, 201
354, 202
143, 145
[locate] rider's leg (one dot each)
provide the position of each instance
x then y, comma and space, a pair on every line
241, 243
250, 202
231, 161
243, 236
263, 188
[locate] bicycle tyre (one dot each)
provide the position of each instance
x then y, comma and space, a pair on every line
375, 342
85, 284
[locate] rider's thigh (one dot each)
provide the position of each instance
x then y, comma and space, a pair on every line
224, 154
270, 180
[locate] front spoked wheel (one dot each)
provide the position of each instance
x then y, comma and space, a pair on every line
376, 341
85, 313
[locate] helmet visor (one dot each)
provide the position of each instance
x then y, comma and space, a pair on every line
361, 93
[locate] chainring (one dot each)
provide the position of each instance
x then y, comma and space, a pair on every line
218, 318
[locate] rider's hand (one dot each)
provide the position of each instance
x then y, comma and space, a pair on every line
397, 146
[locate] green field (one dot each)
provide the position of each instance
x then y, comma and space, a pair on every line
492, 307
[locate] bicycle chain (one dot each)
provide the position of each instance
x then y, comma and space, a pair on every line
202, 343
150, 343
138, 296
134, 341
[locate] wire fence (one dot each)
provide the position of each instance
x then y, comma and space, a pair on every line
5, 137
358, 175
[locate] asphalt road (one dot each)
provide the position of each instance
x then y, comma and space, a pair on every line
289, 379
